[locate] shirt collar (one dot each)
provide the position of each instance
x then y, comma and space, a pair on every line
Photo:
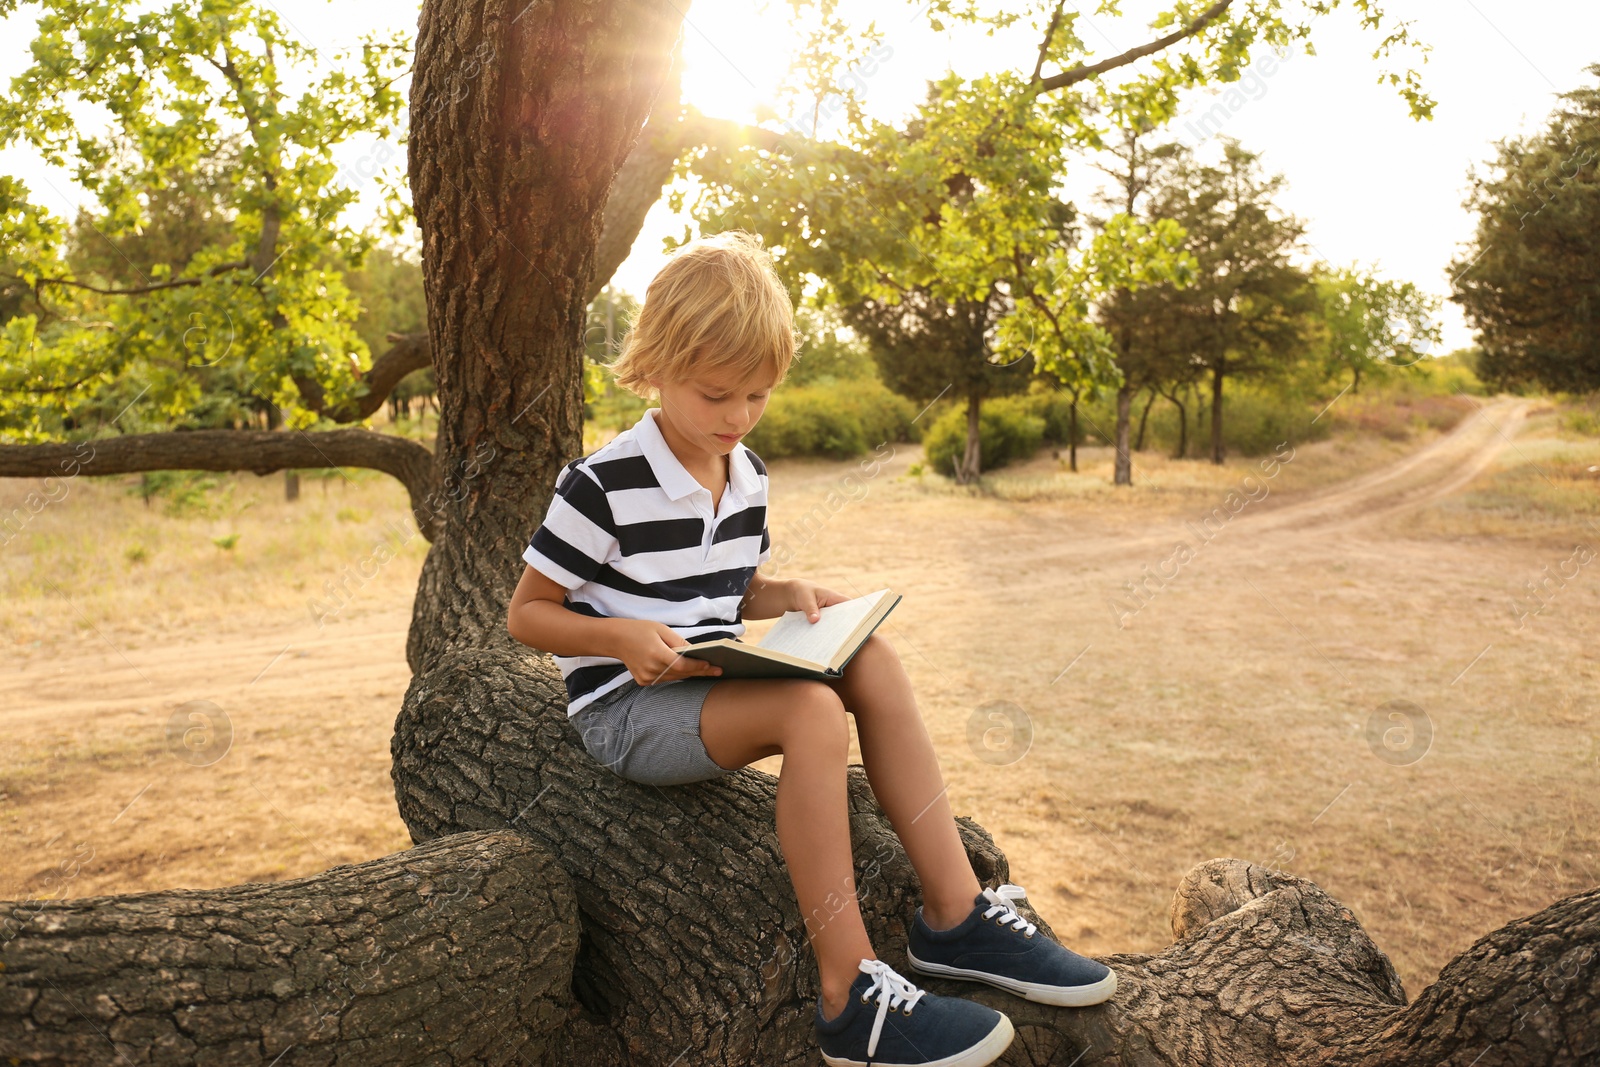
678, 482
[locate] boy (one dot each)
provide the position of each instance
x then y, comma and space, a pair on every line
652, 543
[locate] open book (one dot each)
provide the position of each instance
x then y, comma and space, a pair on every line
796, 647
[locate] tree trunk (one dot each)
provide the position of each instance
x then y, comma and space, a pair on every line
1072, 434
459, 950
969, 466
1183, 424
509, 177
1122, 471
1216, 413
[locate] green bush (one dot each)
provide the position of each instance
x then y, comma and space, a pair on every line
1008, 431
836, 419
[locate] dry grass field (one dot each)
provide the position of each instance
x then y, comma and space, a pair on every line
1235, 701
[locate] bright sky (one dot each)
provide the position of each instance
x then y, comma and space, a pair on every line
1372, 184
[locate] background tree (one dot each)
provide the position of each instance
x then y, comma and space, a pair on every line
926, 348
1145, 355
959, 207
1368, 324
1527, 282
1249, 308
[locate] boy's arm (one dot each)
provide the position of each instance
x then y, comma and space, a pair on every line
767, 598
539, 619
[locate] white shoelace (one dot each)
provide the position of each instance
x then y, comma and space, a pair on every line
1001, 900
892, 991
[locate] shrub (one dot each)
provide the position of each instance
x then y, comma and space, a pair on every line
1008, 431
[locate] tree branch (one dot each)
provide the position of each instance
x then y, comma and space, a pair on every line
411, 352
258, 451
1089, 70
1044, 45
175, 283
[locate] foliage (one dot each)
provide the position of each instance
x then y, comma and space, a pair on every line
1527, 281
610, 317
831, 352
388, 287
925, 347
839, 419
218, 194
1369, 325
963, 198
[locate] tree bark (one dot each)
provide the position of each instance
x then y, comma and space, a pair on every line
407, 352
509, 178
456, 951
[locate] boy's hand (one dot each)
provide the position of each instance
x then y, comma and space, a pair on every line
645, 648
809, 597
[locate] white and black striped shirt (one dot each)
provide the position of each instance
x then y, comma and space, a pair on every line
630, 534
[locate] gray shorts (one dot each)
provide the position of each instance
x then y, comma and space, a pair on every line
651, 733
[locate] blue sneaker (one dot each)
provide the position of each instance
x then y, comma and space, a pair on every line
996, 945
910, 1026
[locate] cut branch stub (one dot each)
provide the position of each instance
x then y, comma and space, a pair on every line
455, 951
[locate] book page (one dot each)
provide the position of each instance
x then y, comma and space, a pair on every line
818, 641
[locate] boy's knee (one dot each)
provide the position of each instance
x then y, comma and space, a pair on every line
816, 717
874, 648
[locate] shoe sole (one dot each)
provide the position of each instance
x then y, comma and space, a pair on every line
1082, 996
984, 1052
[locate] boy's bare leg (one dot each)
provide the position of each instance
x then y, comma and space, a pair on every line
744, 720
904, 771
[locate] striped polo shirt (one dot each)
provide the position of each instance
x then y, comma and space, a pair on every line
630, 534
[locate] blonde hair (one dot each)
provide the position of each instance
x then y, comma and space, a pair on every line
717, 305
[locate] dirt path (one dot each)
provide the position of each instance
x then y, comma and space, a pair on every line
1434, 471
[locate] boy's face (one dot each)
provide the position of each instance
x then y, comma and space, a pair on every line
712, 410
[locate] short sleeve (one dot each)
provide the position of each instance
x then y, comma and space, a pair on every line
578, 536
766, 546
